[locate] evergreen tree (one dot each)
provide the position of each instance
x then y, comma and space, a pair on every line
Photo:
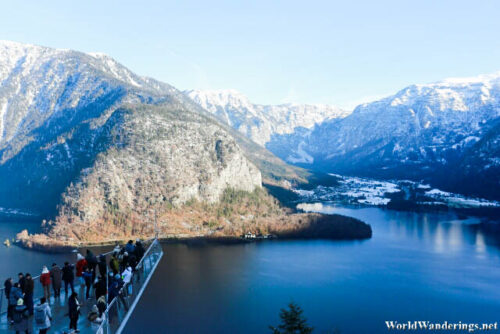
292, 321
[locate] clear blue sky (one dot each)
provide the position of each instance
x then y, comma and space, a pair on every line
338, 52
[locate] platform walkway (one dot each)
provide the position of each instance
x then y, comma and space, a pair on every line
118, 311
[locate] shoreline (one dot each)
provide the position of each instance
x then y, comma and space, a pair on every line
318, 227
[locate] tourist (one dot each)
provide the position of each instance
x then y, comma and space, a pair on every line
22, 281
81, 264
45, 280
114, 264
94, 315
74, 311
139, 249
114, 286
132, 260
7, 287
68, 277
20, 316
56, 276
29, 288
101, 305
87, 277
91, 263
123, 261
127, 278
129, 247
14, 296
100, 287
43, 316
102, 265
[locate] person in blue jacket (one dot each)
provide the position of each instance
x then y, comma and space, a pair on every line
14, 296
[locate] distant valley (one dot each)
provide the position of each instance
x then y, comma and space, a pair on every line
445, 134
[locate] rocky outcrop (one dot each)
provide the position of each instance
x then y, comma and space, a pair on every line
159, 157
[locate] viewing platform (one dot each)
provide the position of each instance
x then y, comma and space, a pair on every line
118, 310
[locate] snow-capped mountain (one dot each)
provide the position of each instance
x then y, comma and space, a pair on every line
67, 117
260, 122
422, 132
40, 85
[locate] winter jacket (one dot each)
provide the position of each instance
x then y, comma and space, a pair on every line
15, 294
127, 275
132, 261
22, 283
114, 265
102, 266
20, 316
67, 273
91, 260
47, 315
129, 248
139, 251
29, 286
8, 286
45, 279
100, 288
80, 265
73, 307
56, 276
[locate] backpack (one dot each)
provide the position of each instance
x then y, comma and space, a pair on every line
40, 315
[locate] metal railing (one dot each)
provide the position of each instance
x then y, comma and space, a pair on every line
121, 307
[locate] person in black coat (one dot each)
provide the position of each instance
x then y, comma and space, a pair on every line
139, 250
92, 263
103, 269
22, 281
29, 289
8, 286
74, 311
100, 288
68, 277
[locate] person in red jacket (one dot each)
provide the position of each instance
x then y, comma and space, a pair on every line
45, 280
81, 264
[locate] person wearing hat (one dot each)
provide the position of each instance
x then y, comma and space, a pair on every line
45, 280
20, 317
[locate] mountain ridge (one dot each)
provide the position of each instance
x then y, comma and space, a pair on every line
423, 132
260, 122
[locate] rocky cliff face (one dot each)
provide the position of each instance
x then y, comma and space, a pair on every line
158, 158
